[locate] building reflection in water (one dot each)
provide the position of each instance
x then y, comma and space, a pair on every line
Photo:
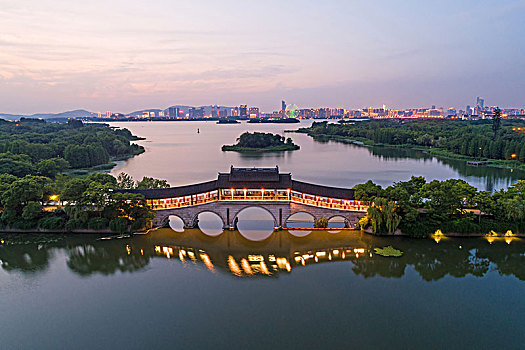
282, 252
251, 264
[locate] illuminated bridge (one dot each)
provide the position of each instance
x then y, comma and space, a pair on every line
242, 188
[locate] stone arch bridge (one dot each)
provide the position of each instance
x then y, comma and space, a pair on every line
242, 188
229, 210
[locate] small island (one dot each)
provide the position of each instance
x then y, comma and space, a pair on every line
261, 142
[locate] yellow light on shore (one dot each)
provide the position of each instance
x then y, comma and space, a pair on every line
53, 197
438, 236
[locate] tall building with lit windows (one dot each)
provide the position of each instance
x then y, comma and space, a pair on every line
243, 111
254, 112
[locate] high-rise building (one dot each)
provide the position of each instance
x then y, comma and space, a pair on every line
254, 112
468, 111
480, 102
243, 111
173, 112
283, 108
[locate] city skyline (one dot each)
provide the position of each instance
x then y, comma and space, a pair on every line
126, 56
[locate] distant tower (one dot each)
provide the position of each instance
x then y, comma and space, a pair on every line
283, 108
480, 102
468, 111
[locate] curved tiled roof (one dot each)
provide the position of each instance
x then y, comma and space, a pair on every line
251, 178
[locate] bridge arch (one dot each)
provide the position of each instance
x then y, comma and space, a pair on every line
194, 220
235, 215
345, 219
299, 212
175, 222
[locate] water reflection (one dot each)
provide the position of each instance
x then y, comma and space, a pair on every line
255, 224
281, 253
210, 223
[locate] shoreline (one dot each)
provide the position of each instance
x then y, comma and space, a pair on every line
435, 152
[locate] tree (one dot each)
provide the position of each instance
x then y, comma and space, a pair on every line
51, 167
321, 223
149, 182
102, 179
368, 191
496, 122
125, 181
446, 198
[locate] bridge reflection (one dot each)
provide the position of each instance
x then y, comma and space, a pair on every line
280, 254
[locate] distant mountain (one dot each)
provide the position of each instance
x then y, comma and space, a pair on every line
185, 108
78, 113
82, 113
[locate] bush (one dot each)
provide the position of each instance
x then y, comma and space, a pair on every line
51, 223
119, 225
97, 223
74, 224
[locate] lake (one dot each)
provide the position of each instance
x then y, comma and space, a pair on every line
177, 153
293, 290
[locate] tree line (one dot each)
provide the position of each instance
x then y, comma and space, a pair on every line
481, 139
69, 203
35, 147
419, 208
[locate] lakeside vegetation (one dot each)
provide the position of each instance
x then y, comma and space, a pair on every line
66, 203
44, 184
502, 141
261, 142
35, 147
419, 208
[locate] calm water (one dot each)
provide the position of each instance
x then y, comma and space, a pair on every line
188, 290
175, 152
178, 288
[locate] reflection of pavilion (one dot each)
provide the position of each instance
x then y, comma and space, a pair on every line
280, 253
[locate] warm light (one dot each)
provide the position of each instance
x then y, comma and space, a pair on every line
234, 267
513, 155
53, 197
438, 236
264, 268
207, 261
246, 267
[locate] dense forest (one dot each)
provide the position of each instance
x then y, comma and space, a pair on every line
480, 139
34, 147
419, 208
35, 193
260, 141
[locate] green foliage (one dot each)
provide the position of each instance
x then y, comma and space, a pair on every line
27, 142
119, 225
51, 223
97, 223
149, 182
321, 223
31, 211
368, 191
74, 224
261, 141
418, 208
51, 167
388, 251
382, 216
480, 139
125, 181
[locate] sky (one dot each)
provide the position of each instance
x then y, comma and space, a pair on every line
121, 56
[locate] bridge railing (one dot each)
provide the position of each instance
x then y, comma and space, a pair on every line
167, 204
